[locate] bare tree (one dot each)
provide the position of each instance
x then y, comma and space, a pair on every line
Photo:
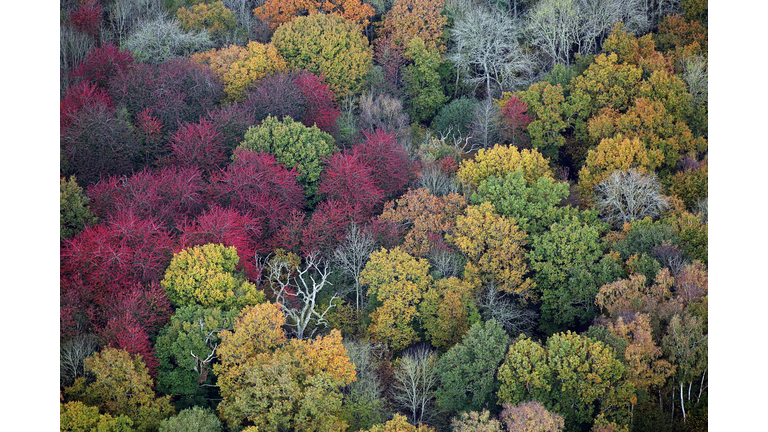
485, 124
352, 255
553, 26
449, 263
500, 306
384, 112
125, 16
486, 52
629, 195
438, 182
72, 354
297, 288
368, 389
415, 382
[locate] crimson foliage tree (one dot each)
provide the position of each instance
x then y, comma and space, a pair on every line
169, 195
256, 185
78, 97
349, 181
87, 17
327, 227
391, 168
125, 250
320, 106
515, 121
231, 121
198, 145
102, 64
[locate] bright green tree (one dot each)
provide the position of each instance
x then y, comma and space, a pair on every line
423, 89
76, 416
467, 371
207, 275
327, 45
186, 350
295, 146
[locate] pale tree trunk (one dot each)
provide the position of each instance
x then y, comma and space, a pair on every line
682, 402
701, 387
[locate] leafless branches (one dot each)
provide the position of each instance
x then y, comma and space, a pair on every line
500, 306
352, 255
71, 356
415, 382
297, 290
629, 195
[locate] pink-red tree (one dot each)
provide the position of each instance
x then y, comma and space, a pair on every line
198, 145
169, 195
79, 96
231, 121
102, 64
320, 102
515, 121
277, 95
125, 332
87, 17
391, 168
255, 184
349, 181
327, 227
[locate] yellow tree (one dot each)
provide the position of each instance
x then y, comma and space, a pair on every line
502, 160
411, 18
239, 67
495, 250
397, 283
219, 21
400, 423
277, 12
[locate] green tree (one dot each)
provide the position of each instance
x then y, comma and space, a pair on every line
568, 270
206, 275
423, 89
195, 419
294, 146
686, 345
219, 21
547, 103
186, 350
397, 283
121, 386
467, 371
74, 214
327, 45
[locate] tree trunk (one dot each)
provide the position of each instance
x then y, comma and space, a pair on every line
690, 384
701, 387
682, 402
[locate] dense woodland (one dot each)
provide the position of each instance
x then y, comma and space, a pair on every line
390, 215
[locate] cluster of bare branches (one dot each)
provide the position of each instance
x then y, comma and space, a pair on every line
629, 195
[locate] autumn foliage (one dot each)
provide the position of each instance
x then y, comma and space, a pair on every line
277, 12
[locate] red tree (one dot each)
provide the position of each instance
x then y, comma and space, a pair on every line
327, 227
169, 195
87, 17
77, 97
277, 95
348, 181
102, 64
125, 332
255, 184
320, 106
198, 145
391, 168
123, 251
515, 121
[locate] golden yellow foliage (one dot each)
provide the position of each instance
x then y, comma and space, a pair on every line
277, 12
501, 160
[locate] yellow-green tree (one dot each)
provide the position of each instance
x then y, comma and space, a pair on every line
502, 160
399, 423
448, 311
121, 386
207, 275
495, 250
547, 103
326, 45
76, 416
238, 68
397, 283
